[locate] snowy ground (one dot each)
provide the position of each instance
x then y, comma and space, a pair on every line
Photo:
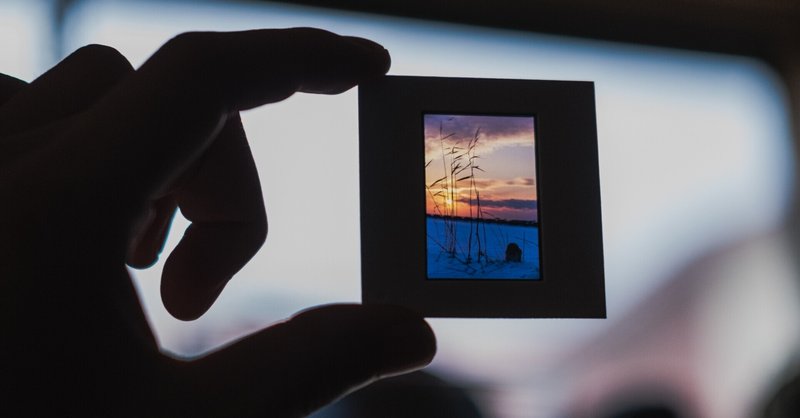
442, 265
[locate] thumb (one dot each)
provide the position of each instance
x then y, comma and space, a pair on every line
300, 365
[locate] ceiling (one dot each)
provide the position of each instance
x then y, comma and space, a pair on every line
768, 29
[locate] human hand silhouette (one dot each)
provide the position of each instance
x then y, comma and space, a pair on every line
94, 159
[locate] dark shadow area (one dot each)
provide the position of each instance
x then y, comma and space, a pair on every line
646, 411
785, 402
416, 395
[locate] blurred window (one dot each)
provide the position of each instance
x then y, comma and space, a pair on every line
695, 152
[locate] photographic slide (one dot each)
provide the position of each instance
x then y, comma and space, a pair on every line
481, 197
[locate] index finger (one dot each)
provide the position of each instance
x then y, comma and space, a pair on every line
146, 131
9, 86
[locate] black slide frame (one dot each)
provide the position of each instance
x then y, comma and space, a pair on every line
393, 240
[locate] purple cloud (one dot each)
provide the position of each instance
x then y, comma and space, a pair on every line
518, 204
493, 131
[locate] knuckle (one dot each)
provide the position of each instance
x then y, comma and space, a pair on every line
186, 39
261, 230
309, 31
310, 36
187, 45
191, 50
103, 58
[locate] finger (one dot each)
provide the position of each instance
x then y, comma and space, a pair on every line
9, 86
223, 200
159, 120
149, 242
316, 357
72, 86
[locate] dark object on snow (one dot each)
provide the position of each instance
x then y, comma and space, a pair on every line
513, 253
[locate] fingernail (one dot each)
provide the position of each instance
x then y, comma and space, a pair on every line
382, 61
366, 43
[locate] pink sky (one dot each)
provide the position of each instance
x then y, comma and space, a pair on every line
504, 150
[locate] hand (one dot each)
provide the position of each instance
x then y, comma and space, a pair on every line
94, 159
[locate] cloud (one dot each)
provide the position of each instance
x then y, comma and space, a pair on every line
521, 181
484, 184
493, 132
519, 204
464, 126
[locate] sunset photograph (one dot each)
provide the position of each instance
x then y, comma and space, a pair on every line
481, 200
